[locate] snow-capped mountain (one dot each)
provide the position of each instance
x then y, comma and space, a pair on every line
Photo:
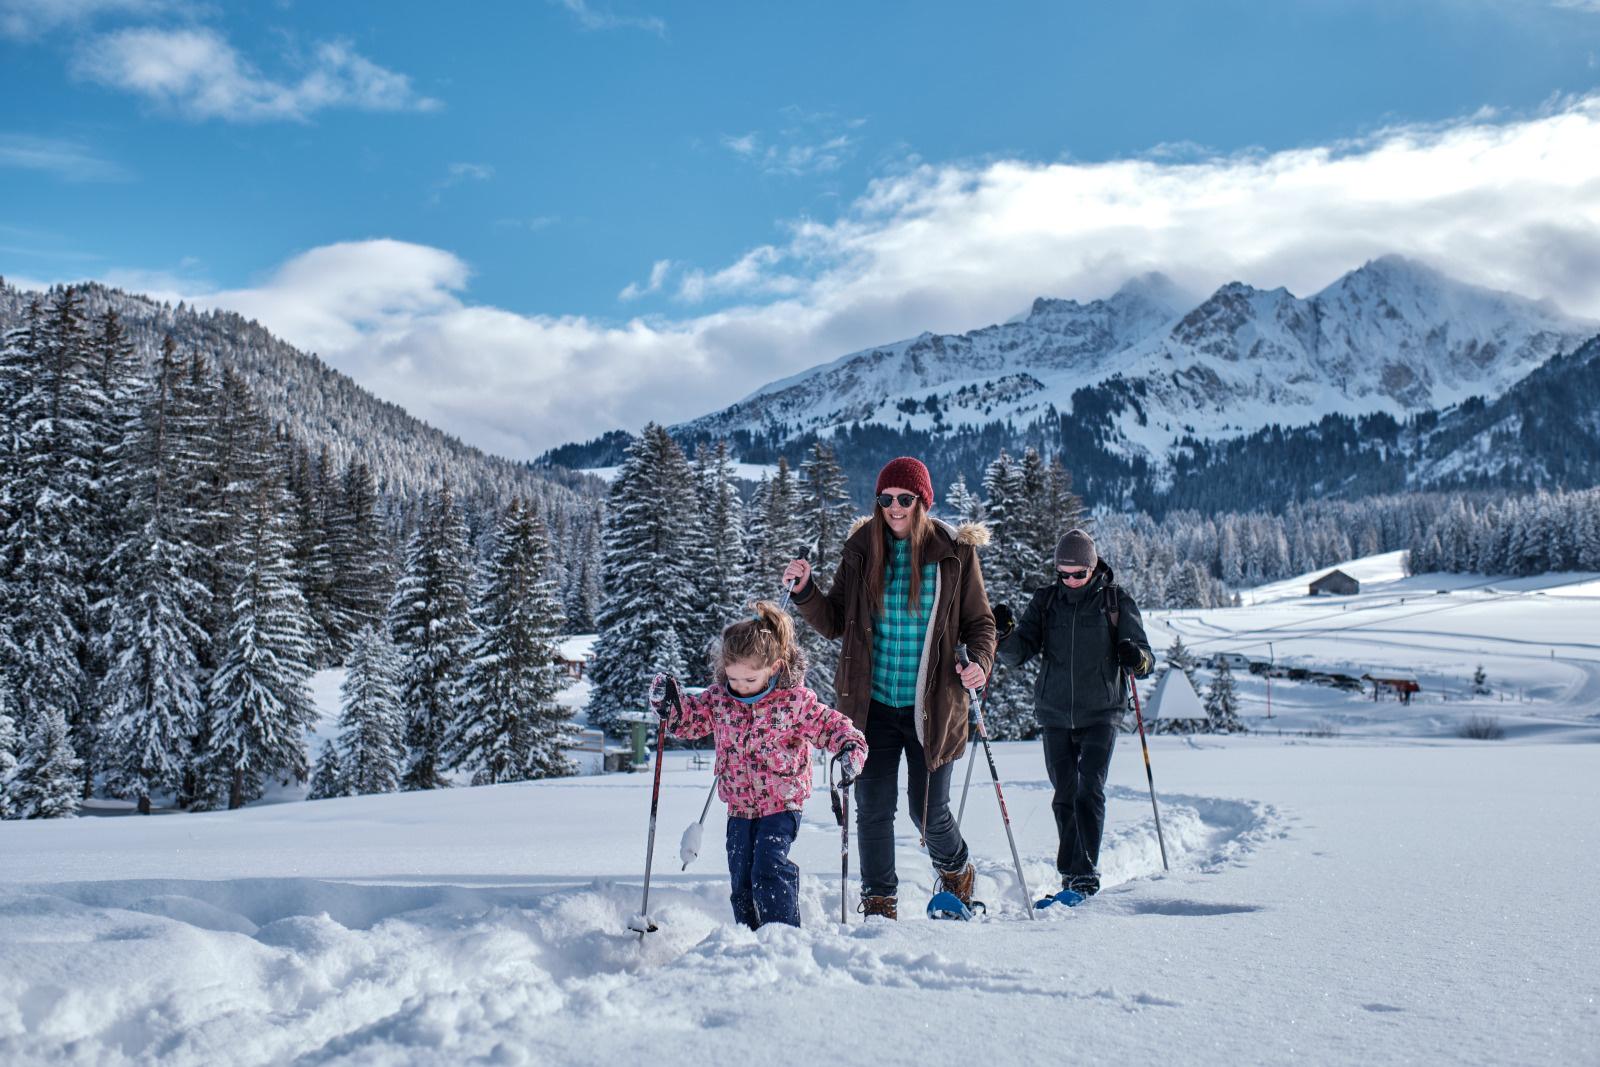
1393, 336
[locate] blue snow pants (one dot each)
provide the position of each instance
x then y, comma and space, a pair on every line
766, 883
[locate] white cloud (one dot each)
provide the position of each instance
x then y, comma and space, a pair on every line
474, 171
66, 159
590, 19
1510, 204
809, 142
197, 73
658, 275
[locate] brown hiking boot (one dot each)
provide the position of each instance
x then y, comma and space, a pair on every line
884, 906
959, 883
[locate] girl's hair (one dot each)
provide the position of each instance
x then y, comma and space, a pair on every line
765, 637
878, 552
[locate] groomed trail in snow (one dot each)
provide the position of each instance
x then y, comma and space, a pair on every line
1330, 901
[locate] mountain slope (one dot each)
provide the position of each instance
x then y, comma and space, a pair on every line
1394, 337
320, 406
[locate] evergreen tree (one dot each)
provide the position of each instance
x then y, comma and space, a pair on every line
53, 512
776, 534
430, 618
8, 755
825, 511
1480, 682
311, 555
151, 691
725, 591
117, 398
360, 559
328, 778
1006, 574
961, 503
648, 565
259, 705
372, 722
1222, 704
510, 727
45, 783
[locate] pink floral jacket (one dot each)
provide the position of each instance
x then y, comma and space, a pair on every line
764, 749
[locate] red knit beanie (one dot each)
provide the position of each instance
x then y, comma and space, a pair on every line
907, 473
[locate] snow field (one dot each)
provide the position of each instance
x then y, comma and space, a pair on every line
1377, 902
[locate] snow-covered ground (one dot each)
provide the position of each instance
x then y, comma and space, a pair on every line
1537, 639
1393, 894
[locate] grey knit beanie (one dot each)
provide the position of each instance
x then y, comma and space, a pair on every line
1076, 549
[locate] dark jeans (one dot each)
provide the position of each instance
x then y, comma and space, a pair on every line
891, 731
1078, 761
766, 883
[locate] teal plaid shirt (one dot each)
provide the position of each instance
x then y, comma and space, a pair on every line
898, 634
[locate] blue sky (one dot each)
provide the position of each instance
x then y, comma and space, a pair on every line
461, 210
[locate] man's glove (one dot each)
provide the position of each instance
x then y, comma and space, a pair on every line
1129, 655
847, 764
1004, 621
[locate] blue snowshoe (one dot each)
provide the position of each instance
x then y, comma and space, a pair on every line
946, 905
1069, 897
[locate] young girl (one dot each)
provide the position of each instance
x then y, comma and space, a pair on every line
765, 721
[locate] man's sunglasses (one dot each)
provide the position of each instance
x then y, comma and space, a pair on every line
905, 500
1072, 576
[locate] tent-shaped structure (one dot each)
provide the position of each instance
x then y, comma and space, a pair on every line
1174, 698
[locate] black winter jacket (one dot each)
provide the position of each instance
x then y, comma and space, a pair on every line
1079, 683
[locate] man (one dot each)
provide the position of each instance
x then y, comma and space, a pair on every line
1090, 634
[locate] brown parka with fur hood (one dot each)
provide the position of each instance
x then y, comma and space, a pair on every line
960, 614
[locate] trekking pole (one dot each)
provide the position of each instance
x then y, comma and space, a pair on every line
1005, 816
641, 923
689, 847
788, 590
1138, 717
840, 797
972, 758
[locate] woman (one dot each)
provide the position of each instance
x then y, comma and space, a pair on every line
907, 591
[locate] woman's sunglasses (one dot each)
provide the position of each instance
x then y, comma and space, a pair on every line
905, 500
1073, 576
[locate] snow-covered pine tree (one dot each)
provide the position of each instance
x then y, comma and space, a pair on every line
509, 727
118, 395
723, 531
961, 504
1009, 703
46, 782
328, 778
1222, 703
777, 532
311, 554
1035, 532
53, 515
1480, 682
582, 594
648, 579
8, 754
826, 512
259, 704
361, 561
151, 692
372, 721
1179, 656
431, 622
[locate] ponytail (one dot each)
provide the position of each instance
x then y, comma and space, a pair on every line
764, 638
